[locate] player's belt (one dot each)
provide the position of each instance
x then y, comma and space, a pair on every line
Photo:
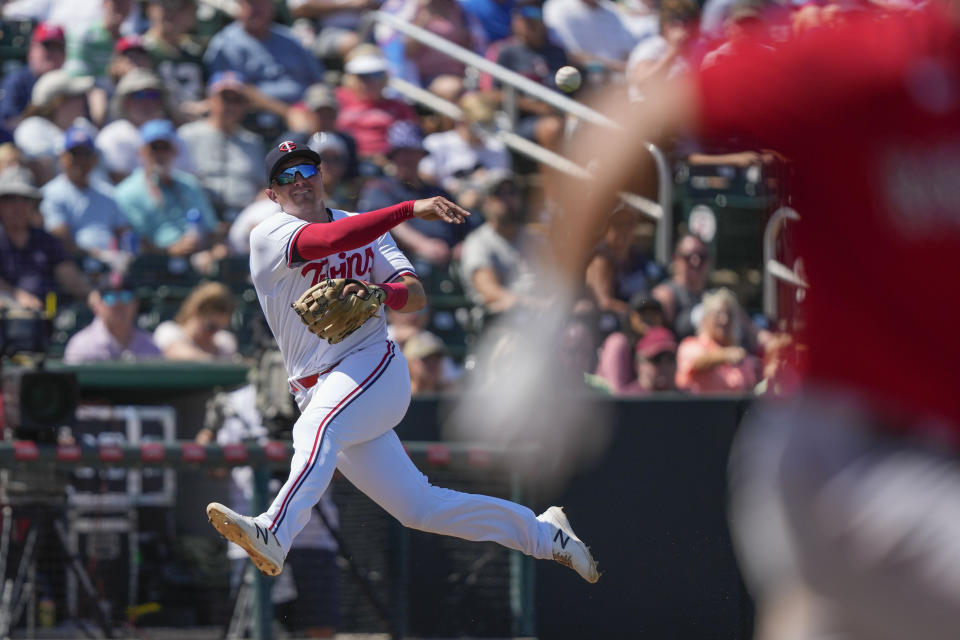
306, 382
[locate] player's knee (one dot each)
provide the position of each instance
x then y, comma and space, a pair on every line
419, 513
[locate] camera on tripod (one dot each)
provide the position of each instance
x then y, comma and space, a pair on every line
36, 402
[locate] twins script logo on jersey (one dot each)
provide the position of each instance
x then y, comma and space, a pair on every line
351, 265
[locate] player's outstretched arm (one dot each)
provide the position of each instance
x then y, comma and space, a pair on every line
320, 239
439, 208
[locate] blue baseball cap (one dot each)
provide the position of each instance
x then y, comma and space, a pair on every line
528, 10
154, 130
77, 137
226, 80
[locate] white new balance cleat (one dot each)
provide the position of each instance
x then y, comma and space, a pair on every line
258, 541
568, 549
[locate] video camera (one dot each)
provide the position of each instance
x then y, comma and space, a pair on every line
36, 402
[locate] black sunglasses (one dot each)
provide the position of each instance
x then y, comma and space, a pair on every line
289, 175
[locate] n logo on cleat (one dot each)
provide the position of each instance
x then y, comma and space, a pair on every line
261, 532
563, 539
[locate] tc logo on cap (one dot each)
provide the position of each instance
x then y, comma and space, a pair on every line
287, 145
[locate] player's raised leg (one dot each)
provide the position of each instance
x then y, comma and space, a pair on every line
384, 472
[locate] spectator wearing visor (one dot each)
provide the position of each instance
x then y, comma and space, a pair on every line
113, 333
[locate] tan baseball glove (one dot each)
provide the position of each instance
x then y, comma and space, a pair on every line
332, 318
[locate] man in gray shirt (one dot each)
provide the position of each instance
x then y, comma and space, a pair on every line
228, 157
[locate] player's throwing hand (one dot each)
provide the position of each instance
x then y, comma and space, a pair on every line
439, 208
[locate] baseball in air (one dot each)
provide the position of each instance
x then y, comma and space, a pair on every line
568, 79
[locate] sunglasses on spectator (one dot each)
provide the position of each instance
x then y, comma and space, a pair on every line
664, 357
81, 151
695, 257
111, 298
161, 146
146, 94
53, 45
289, 175
373, 77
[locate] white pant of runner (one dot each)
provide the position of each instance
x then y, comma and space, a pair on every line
865, 524
347, 423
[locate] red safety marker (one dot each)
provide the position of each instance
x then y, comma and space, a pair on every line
479, 457
234, 452
152, 452
68, 452
25, 450
438, 454
276, 451
193, 452
111, 453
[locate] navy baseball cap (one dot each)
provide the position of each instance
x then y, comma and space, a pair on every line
77, 137
285, 151
154, 130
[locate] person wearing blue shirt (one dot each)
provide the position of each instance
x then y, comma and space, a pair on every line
166, 208
77, 207
494, 16
268, 56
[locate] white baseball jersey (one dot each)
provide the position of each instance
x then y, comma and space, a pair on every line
280, 280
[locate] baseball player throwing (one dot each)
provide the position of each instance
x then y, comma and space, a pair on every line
354, 387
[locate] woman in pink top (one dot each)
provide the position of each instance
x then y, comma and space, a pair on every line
712, 361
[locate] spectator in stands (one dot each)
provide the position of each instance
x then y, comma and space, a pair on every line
139, 98
690, 269
656, 363
447, 19
89, 49
268, 56
200, 329
712, 361
129, 53
742, 27
339, 192
167, 208
493, 16
46, 53
33, 263
616, 361
79, 208
496, 261
590, 32
336, 23
424, 241
229, 158
323, 107
113, 334
533, 56
619, 269
177, 57
667, 53
461, 155
425, 353
57, 102
365, 113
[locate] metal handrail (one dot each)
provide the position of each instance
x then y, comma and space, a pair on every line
661, 210
499, 72
774, 270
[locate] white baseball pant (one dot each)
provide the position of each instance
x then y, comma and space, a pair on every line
347, 423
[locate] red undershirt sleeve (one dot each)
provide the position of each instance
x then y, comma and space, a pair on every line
317, 240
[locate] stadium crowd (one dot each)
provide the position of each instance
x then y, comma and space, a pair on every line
132, 136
